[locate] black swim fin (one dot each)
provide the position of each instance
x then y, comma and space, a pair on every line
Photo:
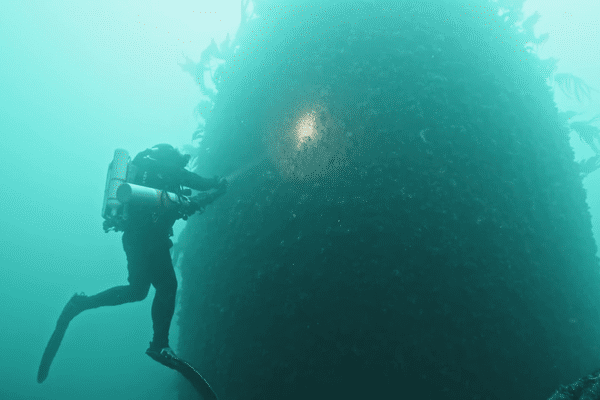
51, 349
188, 372
71, 310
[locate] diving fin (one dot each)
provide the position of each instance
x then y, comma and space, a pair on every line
188, 372
51, 349
72, 309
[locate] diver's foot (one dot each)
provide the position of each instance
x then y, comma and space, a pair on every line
165, 355
73, 308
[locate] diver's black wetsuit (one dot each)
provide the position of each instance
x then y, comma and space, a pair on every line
146, 241
148, 263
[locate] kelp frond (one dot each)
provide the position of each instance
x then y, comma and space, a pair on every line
571, 85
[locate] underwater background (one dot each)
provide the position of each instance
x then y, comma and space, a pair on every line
406, 217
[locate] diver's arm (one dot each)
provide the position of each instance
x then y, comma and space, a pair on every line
199, 202
183, 176
196, 182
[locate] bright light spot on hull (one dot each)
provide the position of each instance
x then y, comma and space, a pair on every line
306, 142
306, 130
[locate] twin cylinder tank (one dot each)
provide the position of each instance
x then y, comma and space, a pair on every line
119, 191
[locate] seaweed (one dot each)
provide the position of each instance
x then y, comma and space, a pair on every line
571, 85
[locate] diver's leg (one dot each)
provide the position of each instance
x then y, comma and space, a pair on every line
111, 297
137, 290
118, 295
163, 306
80, 303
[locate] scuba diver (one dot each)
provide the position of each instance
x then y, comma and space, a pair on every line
146, 241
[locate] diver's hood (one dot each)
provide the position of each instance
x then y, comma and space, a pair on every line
166, 154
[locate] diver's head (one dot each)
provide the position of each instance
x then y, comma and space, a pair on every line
169, 155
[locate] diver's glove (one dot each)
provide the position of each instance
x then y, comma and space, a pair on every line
219, 183
222, 185
186, 207
199, 202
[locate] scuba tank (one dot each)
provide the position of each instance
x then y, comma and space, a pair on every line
120, 192
112, 208
147, 197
